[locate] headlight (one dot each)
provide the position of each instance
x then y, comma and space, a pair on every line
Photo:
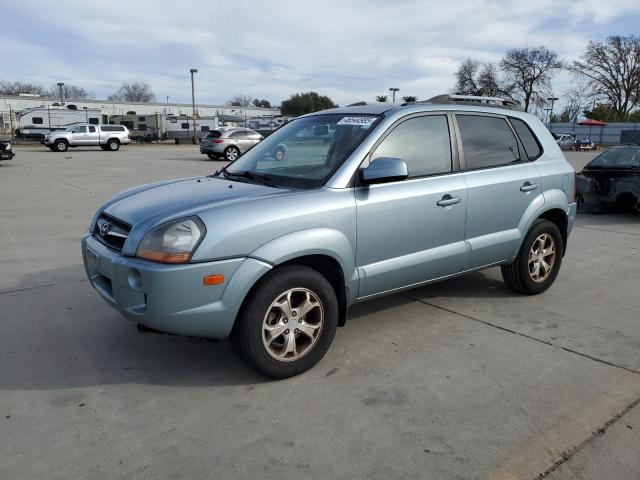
172, 242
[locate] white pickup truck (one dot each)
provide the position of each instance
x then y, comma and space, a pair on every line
107, 137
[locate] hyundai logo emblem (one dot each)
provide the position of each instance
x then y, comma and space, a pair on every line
104, 229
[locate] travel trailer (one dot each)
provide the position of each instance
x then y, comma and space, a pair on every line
143, 128
38, 121
181, 126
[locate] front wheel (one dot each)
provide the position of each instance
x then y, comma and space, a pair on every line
538, 261
61, 145
288, 323
231, 153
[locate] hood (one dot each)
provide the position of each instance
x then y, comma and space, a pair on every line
164, 201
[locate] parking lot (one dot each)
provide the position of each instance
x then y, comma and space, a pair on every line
459, 380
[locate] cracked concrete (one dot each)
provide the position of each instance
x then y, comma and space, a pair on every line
462, 379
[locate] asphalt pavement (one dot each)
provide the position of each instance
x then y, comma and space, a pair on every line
458, 380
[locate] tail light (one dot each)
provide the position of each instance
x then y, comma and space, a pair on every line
217, 140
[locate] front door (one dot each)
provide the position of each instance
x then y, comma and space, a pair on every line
93, 137
79, 135
502, 184
412, 231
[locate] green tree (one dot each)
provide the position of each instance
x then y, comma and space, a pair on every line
604, 112
303, 103
409, 98
381, 98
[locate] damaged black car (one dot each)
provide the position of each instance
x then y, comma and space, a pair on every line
611, 181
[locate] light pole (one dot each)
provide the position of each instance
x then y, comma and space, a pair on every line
193, 105
61, 87
394, 90
552, 100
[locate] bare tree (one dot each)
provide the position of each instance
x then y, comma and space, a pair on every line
134, 92
466, 78
611, 69
8, 87
485, 81
240, 100
71, 92
576, 100
382, 98
529, 72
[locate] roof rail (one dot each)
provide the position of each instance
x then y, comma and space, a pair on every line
473, 100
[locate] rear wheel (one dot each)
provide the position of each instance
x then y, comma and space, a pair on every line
288, 323
538, 262
61, 145
231, 153
113, 145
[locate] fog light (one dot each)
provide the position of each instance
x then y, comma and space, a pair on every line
134, 278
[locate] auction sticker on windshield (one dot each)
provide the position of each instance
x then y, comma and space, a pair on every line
362, 121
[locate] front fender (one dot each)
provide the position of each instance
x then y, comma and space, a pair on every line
313, 241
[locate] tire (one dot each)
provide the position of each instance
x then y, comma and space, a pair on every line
231, 153
267, 353
61, 146
104, 147
113, 145
521, 274
212, 156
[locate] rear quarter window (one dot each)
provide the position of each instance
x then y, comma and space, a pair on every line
527, 137
214, 134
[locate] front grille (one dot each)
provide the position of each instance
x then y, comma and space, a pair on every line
111, 231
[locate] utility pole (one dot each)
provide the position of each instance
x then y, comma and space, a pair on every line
552, 100
193, 105
61, 87
394, 90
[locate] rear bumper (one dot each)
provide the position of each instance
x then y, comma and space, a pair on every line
171, 298
205, 149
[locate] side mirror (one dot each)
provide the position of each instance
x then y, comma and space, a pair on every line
384, 170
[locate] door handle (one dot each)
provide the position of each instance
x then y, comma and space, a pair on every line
448, 200
527, 187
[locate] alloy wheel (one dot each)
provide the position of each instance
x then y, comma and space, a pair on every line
293, 324
542, 257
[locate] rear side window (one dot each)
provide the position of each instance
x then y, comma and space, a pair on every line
487, 141
529, 141
422, 142
37, 120
92, 129
239, 135
114, 128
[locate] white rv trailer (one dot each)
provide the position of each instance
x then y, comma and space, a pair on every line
181, 126
141, 127
38, 121
267, 124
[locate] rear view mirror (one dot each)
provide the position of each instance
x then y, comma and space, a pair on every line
320, 130
384, 170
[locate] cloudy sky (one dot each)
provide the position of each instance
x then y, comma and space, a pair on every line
349, 49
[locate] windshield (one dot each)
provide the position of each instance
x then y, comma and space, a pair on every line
622, 157
305, 152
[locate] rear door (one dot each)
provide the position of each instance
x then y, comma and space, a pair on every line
411, 231
502, 184
93, 137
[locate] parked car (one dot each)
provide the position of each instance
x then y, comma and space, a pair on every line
6, 151
107, 137
566, 141
271, 253
228, 143
611, 181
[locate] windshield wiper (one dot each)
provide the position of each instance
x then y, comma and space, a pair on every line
262, 178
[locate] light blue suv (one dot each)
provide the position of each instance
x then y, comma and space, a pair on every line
335, 208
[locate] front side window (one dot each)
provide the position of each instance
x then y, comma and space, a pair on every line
305, 152
81, 129
37, 120
487, 141
422, 142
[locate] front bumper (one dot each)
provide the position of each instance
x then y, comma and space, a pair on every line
6, 155
171, 298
